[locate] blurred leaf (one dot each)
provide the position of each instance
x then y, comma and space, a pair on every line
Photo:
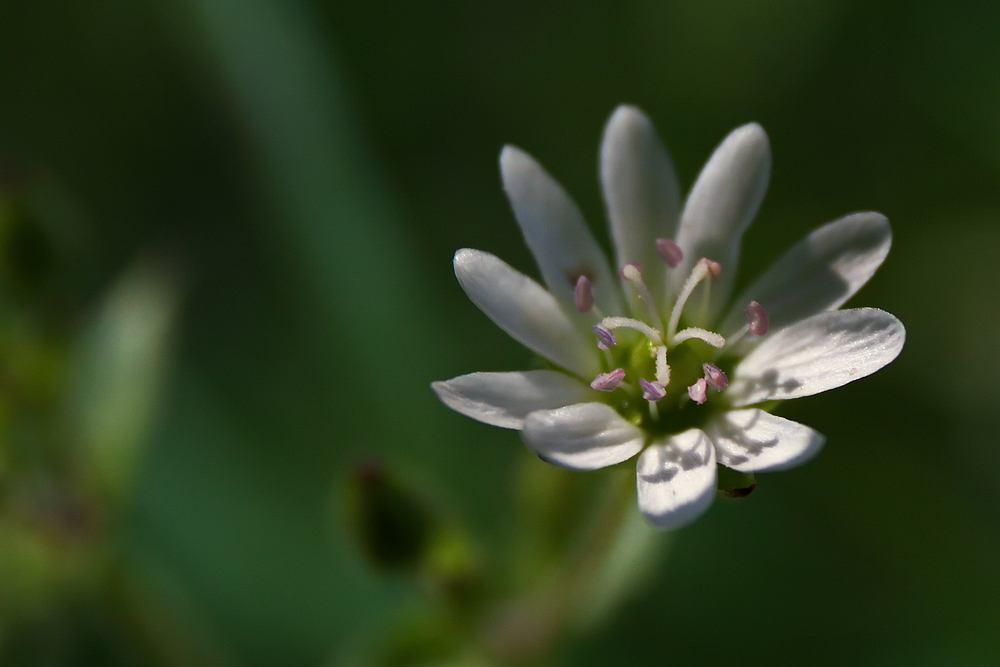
118, 373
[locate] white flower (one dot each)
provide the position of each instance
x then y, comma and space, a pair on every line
659, 359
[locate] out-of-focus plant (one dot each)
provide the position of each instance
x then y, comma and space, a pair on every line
576, 550
78, 394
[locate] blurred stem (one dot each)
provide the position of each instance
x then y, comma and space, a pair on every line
598, 535
601, 564
159, 614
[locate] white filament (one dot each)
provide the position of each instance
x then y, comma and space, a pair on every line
662, 369
630, 323
632, 274
710, 337
698, 274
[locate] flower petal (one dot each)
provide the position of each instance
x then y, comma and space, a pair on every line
823, 352
640, 192
585, 436
819, 273
505, 399
720, 207
755, 441
555, 231
527, 312
676, 479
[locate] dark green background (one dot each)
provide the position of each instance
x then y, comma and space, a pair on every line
316, 165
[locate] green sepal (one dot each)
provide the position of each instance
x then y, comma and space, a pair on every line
733, 483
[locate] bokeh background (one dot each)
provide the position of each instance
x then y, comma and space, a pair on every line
311, 167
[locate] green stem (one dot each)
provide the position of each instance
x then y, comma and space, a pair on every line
599, 569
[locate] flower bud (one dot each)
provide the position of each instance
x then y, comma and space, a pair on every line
392, 526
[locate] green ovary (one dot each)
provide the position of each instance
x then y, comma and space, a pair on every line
677, 412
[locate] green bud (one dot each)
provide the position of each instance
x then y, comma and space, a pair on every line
391, 524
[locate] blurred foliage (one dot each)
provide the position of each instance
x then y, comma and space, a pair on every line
578, 549
80, 390
315, 164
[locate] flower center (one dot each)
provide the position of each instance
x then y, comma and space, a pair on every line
645, 386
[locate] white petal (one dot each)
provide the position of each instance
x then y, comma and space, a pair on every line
720, 207
505, 399
585, 436
640, 192
823, 352
676, 479
555, 231
819, 273
755, 441
527, 312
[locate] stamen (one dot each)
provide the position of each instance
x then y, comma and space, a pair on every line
662, 369
605, 338
710, 337
583, 295
699, 391
632, 273
715, 378
756, 318
608, 381
670, 252
703, 268
652, 391
629, 323
634, 265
